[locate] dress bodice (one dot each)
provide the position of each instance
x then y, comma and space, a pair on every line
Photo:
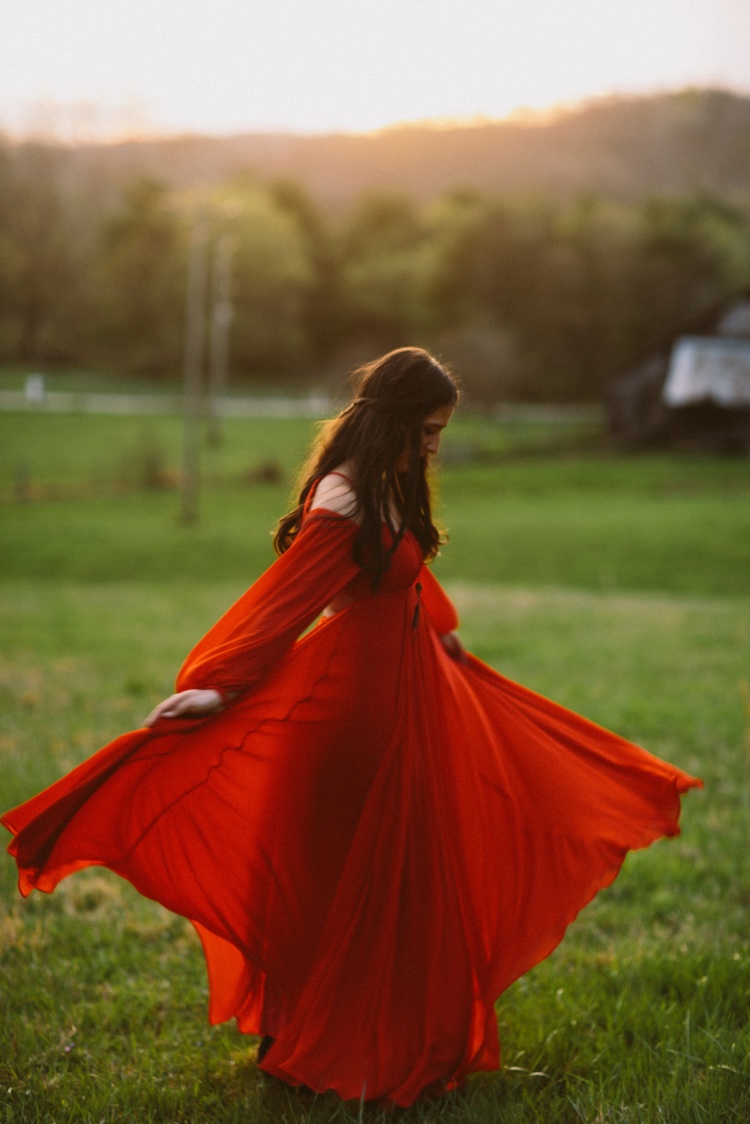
402, 572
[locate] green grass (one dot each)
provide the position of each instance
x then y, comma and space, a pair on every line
91, 380
91, 448
620, 587
585, 520
582, 538
82, 379
644, 1004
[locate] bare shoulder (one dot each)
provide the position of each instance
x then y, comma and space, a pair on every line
335, 492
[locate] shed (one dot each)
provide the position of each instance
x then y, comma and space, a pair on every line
694, 390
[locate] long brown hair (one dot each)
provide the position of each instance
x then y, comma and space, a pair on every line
393, 395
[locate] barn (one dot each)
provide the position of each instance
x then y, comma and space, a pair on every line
694, 391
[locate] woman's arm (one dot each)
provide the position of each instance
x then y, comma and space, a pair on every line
442, 613
243, 646
437, 603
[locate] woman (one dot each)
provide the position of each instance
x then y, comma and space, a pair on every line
372, 832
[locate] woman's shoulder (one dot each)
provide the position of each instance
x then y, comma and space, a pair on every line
335, 492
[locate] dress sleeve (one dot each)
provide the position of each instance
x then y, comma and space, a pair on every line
244, 644
438, 605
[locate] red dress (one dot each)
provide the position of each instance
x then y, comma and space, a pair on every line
372, 840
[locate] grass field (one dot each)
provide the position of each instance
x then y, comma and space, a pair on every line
619, 587
588, 521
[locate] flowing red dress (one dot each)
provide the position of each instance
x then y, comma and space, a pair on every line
372, 840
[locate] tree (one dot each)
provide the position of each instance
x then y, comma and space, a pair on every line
138, 281
271, 278
387, 262
36, 271
322, 311
691, 250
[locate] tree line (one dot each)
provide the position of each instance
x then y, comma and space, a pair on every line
529, 298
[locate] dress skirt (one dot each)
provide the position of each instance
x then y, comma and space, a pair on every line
372, 839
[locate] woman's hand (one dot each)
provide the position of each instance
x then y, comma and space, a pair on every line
186, 704
454, 646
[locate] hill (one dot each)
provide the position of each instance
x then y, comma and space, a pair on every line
625, 148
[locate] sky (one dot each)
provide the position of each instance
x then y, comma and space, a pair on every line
84, 69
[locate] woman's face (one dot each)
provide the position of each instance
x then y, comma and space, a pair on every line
432, 430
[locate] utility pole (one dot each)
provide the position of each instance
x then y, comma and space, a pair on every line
195, 332
221, 319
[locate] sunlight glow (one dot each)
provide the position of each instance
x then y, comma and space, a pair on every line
113, 67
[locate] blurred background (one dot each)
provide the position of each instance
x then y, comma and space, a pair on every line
209, 215
544, 195
541, 257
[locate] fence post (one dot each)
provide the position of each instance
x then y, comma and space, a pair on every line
195, 331
221, 318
